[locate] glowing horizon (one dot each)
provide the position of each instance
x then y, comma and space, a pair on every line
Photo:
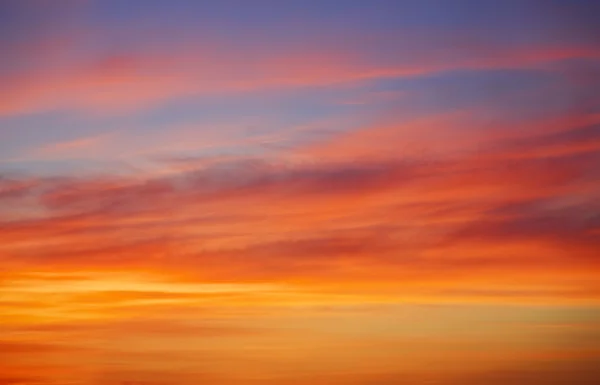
300, 192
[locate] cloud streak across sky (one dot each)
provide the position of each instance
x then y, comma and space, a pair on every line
311, 192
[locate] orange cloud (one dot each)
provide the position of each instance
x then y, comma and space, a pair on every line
387, 224
369, 256
366, 256
259, 264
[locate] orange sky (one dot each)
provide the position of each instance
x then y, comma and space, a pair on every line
299, 193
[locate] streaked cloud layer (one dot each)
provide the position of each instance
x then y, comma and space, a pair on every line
311, 192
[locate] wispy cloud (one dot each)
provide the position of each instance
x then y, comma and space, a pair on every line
327, 193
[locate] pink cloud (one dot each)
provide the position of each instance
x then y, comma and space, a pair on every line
118, 82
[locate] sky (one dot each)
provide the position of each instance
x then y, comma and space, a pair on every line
299, 192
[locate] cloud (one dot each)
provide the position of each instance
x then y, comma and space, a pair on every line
82, 147
437, 234
17, 380
10, 348
115, 81
389, 223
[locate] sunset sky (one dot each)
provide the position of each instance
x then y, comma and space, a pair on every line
299, 192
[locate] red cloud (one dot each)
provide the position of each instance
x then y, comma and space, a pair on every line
462, 219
